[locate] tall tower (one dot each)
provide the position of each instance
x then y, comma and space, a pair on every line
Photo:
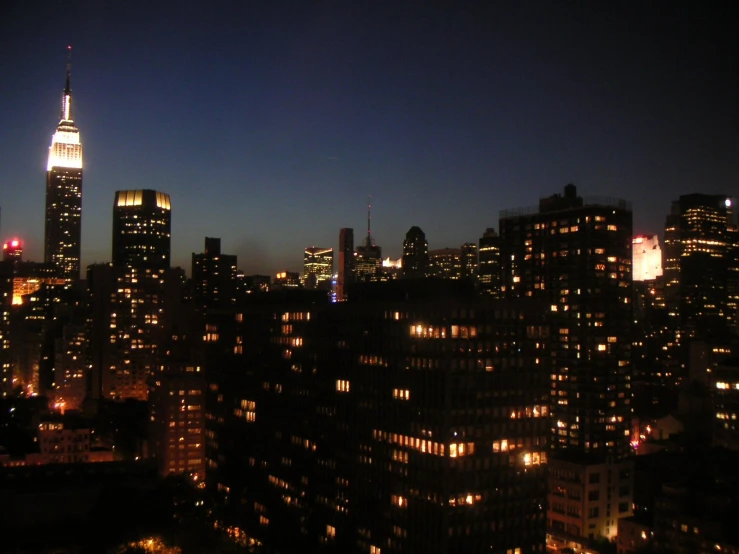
369, 256
63, 230
574, 255
488, 271
346, 261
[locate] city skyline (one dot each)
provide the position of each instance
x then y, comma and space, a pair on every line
245, 115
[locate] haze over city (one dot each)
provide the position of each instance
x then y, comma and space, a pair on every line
269, 124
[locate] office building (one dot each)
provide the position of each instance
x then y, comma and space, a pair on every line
142, 223
700, 259
346, 262
213, 277
415, 254
445, 263
63, 227
647, 258
469, 261
575, 255
488, 271
374, 425
368, 256
13, 250
318, 267
287, 280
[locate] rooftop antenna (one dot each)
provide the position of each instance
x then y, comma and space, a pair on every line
69, 68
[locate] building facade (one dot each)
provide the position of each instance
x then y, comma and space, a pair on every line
142, 229
213, 277
407, 419
346, 262
575, 255
488, 272
415, 254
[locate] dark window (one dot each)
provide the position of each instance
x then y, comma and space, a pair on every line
594, 478
594, 495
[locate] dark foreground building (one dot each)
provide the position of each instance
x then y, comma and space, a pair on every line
411, 418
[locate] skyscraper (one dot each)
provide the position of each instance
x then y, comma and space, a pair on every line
700, 248
318, 267
574, 254
142, 222
368, 261
415, 254
346, 262
63, 229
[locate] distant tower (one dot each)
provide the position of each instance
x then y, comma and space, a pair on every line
346, 261
142, 221
369, 256
415, 254
63, 228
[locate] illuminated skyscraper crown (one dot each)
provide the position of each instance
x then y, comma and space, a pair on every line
66, 149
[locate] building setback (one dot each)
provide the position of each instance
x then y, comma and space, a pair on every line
412, 418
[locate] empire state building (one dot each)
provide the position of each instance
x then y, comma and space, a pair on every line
64, 194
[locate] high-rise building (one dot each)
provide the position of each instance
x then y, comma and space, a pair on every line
700, 254
6, 299
368, 259
489, 270
286, 280
469, 261
63, 229
346, 262
647, 262
213, 277
142, 223
575, 255
376, 426
134, 301
318, 267
415, 254
445, 263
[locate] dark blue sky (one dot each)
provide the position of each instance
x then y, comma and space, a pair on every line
269, 123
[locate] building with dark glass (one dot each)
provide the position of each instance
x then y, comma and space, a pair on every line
415, 254
412, 418
488, 271
574, 254
63, 226
142, 227
213, 274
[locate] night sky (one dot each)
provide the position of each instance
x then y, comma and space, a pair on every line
269, 123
